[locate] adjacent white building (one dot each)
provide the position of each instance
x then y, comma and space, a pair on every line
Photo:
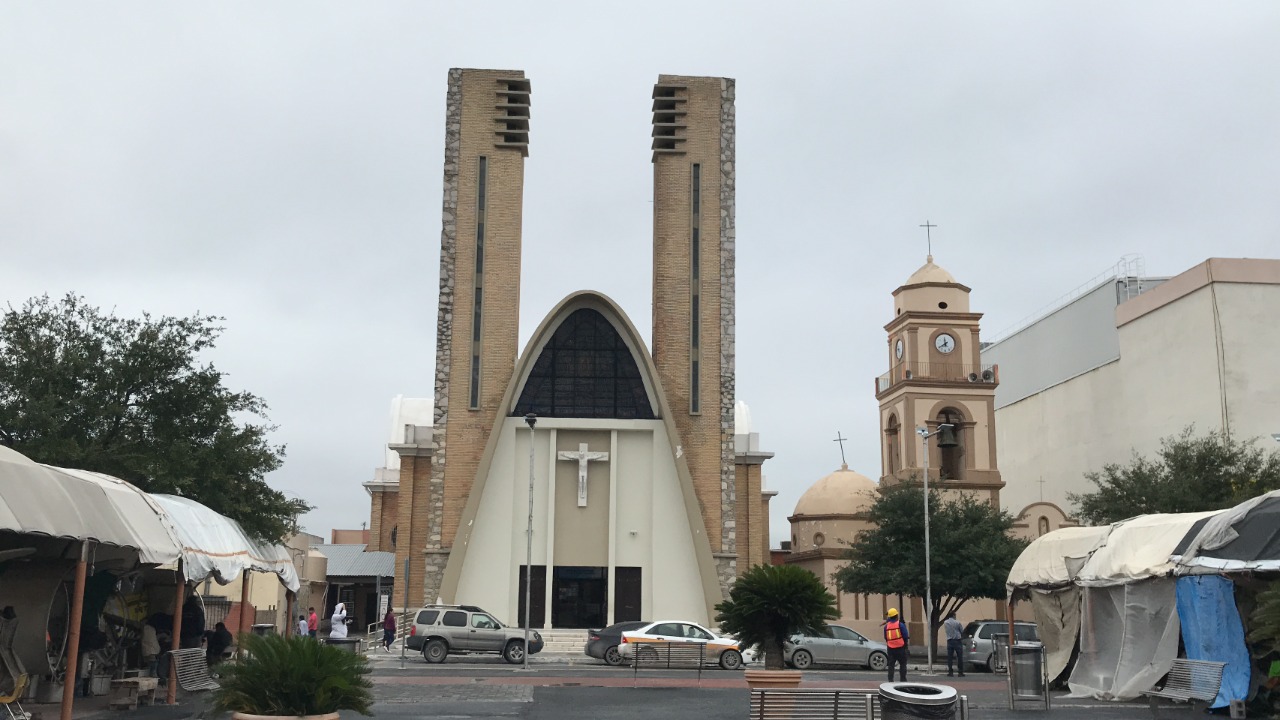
1127, 362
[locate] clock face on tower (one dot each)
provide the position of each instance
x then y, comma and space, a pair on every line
897, 349
944, 343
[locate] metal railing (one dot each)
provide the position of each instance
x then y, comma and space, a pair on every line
824, 704
373, 634
938, 372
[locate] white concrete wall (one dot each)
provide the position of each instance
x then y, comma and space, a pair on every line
1206, 358
649, 503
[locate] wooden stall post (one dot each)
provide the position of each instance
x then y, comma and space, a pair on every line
172, 696
73, 633
289, 623
246, 623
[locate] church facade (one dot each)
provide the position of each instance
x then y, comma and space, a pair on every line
622, 458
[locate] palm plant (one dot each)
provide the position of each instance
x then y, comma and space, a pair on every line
294, 676
770, 603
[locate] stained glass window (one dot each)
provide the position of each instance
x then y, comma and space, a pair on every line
585, 371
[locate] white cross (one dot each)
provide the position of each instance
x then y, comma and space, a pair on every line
582, 457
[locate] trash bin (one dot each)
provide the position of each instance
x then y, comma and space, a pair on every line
264, 629
349, 644
999, 652
1027, 671
905, 700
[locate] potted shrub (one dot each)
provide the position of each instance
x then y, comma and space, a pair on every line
293, 677
769, 604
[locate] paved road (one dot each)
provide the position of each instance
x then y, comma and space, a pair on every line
466, 687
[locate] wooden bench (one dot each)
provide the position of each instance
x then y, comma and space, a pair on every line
1188, 681
193, 670
822, 704
127, 694
668, 656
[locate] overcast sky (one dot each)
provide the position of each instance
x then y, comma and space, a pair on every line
280, 164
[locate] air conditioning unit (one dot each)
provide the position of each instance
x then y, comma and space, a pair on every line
988, 375
973, 377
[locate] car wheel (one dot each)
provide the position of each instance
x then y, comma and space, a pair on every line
612, 656
647, 654
877, 661
730, 659
801, 660
991, 663
435, 651
514, 652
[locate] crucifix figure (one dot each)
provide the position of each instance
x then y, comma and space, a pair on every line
582, 456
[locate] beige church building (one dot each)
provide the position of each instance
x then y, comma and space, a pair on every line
643, 503
936, 377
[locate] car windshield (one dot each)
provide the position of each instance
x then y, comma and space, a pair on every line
622, 627
971, 629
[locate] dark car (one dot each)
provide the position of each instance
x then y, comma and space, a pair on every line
603, 644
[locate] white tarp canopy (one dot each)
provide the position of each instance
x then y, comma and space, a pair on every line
1137, 549
39, 500
215, 546
1049, 561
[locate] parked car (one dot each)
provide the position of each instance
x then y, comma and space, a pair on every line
603, 644
439, 630
978, 645
841, 646
723, 651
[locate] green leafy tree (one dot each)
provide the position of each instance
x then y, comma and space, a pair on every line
129, 397
1266, 619
770, 603
1189, 473
971, 550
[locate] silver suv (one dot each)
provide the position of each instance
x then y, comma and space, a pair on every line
978, 645
464, 629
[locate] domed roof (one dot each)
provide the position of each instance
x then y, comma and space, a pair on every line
843, 492
930, 273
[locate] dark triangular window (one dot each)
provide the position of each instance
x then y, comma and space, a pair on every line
585, 371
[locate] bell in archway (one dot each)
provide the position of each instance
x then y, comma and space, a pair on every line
947, 437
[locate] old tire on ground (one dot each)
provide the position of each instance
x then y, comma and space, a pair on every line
802, 660
730, 660
514, 652
435, 651
877, 661
612, 656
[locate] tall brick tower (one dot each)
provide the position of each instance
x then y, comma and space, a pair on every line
477, 327
693, 288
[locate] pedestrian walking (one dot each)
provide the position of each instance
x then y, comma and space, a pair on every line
388, 630
895, 636
955, 643
303, 628
313, 622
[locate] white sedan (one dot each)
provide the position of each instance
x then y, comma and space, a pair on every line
723, 651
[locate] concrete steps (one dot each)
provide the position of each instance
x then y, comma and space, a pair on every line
563, 642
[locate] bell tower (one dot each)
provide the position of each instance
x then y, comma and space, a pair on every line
936, 379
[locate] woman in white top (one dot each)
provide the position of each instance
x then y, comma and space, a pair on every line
338, 621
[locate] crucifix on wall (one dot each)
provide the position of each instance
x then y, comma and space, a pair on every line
582, 457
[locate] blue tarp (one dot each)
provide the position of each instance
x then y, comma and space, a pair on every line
1211, 630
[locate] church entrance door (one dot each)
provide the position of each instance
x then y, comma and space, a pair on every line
626, 594
579, 597
537, 593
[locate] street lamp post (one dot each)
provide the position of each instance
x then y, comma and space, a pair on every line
532, 420
928, 580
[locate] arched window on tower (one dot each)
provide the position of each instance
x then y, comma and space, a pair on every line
892, 457
951, 466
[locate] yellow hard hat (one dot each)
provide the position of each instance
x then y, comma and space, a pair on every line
893, 612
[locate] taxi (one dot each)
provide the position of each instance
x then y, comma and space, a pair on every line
723, 651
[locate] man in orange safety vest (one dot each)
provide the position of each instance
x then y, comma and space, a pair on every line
895, 636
